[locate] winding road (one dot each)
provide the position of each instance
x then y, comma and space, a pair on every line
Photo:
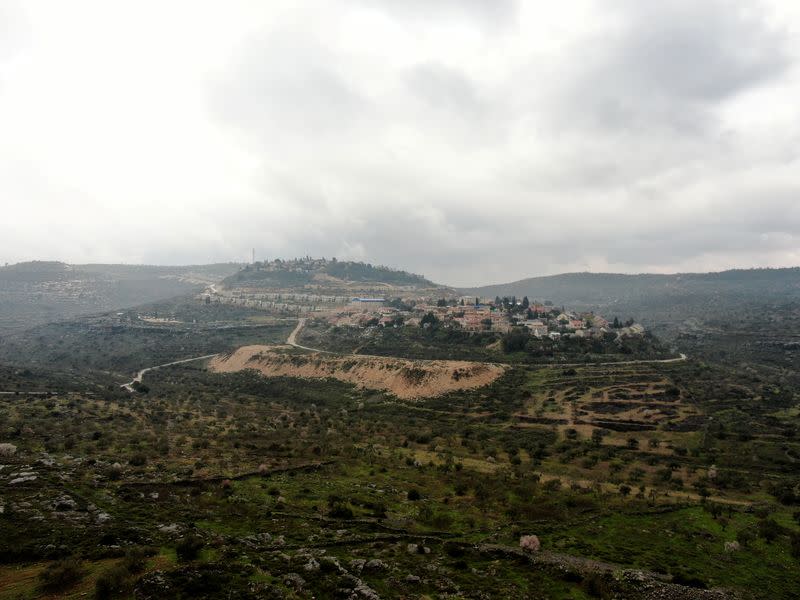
292, 339
301, 322
138, 378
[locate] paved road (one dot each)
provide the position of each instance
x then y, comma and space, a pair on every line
138, 378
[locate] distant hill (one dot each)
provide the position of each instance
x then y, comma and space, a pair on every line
38, 292
656, 298
325, 275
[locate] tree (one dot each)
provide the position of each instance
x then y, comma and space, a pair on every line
525, 302
616, 324
597, 437
429, 319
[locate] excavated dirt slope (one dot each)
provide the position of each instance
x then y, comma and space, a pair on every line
404, 378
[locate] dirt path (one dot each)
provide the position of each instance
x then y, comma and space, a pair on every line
646, 361
138, 378
292, 339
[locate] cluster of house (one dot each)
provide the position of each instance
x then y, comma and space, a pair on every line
471, 314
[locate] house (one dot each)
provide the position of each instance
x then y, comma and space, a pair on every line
536, 327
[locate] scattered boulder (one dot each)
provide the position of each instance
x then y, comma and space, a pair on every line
376, 565
529, 543
7, 449
294, 580
64, 503
311, 565
413, 579
357, 564
23, 478
170, 529
732, 546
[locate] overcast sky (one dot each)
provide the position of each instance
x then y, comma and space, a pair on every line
472, 141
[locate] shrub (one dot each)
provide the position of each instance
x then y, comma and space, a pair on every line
340, 510
112, 584
138, 460
135, 560
413, 495
60, 575
189, 548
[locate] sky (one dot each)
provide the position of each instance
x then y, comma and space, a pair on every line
471, 141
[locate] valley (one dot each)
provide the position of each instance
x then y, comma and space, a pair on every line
282, 452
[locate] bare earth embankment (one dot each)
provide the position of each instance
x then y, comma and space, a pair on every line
404, 378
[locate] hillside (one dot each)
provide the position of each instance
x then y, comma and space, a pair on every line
327, 276
38, 292
656, 298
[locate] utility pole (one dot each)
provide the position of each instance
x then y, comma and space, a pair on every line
254, 256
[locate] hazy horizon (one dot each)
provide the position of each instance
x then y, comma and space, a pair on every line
472, 142
488, 283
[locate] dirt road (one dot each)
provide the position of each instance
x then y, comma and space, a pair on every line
138, 378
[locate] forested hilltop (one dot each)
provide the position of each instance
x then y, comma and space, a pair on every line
320, 273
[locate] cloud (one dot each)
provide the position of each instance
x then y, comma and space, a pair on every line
666, 65
473, 142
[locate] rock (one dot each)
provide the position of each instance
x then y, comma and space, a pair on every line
376, 565
311, 565
732, 546
171, 529
413, 579
294, 580
357, 564
154, 495
24, 479
529, 543
64, 503
362, 590
102, 517
7, 449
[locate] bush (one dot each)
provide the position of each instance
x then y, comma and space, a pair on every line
413, 495
112, 584
135, 560
189, 548
340, 510
138, 460
60, 575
